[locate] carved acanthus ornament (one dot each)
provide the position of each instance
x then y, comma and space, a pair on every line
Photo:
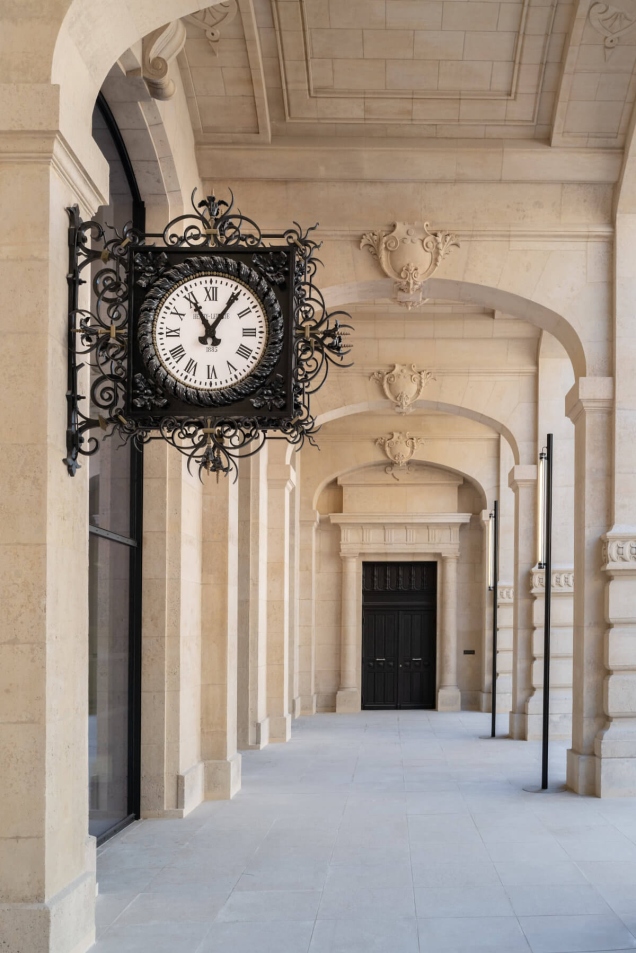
399, 448
403, 385
158, 49
212, 19
619, 553
409, 254
612, 24
562, 581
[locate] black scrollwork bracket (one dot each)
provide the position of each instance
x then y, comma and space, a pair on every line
102, 336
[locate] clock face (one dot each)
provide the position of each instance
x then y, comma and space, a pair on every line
210, 332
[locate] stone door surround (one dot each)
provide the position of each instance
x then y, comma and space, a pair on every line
399, 536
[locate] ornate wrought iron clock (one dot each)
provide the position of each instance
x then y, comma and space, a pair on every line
211, 335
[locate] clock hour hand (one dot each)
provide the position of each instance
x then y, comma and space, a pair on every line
210, 327
206, 324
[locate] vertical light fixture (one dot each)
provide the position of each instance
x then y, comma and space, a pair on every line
541, 500
491, 542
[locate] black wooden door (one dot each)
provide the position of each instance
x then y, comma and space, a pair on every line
398, 635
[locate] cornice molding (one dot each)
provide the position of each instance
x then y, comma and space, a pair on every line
51, 148
399, 533
589, 394
288, 158
562, 581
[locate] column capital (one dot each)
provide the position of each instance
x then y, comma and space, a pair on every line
447, 557
348, 559
522, 475
619, 550
589, 394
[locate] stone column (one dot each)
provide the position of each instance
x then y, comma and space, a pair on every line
615, 745
219, 642
253, 723
448, 695
505, 611
307, 613
172, 771
560, 656
523, 481
47, 866
294, 595
348, 698
589, 405
281, 479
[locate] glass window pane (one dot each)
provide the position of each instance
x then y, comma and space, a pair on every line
109, 574
109, 500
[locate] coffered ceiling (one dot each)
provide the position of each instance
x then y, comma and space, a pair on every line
549, 70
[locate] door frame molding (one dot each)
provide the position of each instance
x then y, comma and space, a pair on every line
389, 537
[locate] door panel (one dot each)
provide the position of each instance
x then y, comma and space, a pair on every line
416, 666
398, 635
380, 657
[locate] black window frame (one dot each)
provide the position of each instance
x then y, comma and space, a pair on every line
134, 541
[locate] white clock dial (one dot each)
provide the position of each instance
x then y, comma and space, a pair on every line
210, 332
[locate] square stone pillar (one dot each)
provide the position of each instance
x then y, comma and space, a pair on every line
253, 722
219, 641
615, 744
47, 859
294, 592
448, 695
589, 405
281, 479
560, 655
523, 481
307, 615
504, 636
172, 782
348, 699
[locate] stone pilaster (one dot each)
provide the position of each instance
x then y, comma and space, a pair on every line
348, 697
307, 615
589, 405
281, 479
560, 655
615, 744
172, 777
523, 481
253, 722
505, 620
47, 859
219, 640
448, 695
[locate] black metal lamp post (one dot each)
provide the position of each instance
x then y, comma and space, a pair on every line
493, 580
545, 562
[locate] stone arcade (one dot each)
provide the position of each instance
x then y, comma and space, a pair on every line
472, 166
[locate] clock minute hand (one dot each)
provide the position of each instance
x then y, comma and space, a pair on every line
230, 301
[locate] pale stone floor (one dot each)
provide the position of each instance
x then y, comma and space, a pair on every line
384, 832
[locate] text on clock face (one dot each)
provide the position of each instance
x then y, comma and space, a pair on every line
210, 332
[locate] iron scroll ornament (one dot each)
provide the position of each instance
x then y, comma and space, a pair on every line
192, 268
119, 266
